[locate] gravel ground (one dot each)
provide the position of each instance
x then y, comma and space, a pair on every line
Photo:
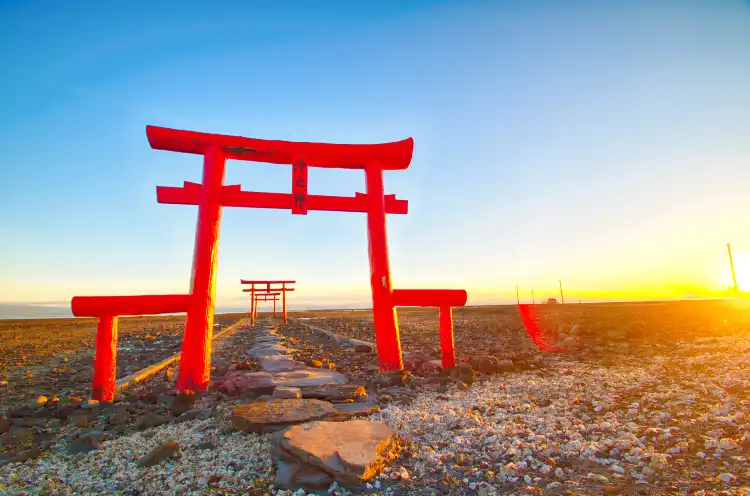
55, 357
652, 417
675, 423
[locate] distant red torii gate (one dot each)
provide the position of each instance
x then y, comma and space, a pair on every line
274, 297
283, 289
212, 195
265, 297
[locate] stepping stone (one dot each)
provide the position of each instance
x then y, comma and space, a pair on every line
275, 414
334, 393
166, 450
292, 474
266, 382
87, 442
280, 364
357, 409
309, 377
351, 452
267, 350
285, 392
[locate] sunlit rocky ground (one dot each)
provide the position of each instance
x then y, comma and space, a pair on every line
646, 399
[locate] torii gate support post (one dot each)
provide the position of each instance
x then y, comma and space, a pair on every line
383, 310
283, 302
252, 307
105, 360
195, 366
447, 345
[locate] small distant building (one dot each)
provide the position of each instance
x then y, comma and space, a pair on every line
551, 301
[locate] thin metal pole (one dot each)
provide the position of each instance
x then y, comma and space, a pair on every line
518, 298
562, 298
731, 265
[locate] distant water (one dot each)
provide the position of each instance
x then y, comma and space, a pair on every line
37, 316
37, 311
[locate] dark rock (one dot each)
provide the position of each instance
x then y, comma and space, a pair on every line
267, 416
196, 414
394, 378
86, 442
205, 445
4, 425
356, 409
363, 348
166, 450
150, 420
464, 373
80, 418
30, 422
183, 402
119, 417
11, 457
334, 392
17, 435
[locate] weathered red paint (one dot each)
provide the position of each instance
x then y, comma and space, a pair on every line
429, 297
233, 196
299, 187
383, 311
195, 365
392, 156
94, 306
105, 360
446, 337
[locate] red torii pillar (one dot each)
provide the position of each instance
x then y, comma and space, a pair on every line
283, 289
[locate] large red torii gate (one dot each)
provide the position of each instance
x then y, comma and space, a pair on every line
212, 194
283, 289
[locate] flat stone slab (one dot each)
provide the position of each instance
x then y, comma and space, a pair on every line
286, 392
334, 393
280, 363
351, 452
267, 350
267, 416
309, 377
357, 409
266, 382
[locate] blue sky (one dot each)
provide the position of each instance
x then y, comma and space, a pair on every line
605, 143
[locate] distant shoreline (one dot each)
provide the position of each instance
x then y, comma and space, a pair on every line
50, 313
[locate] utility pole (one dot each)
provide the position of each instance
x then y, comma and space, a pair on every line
532, 297
731, 265
518, 298
562, 298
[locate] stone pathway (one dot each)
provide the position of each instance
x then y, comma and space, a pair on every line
309, 409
